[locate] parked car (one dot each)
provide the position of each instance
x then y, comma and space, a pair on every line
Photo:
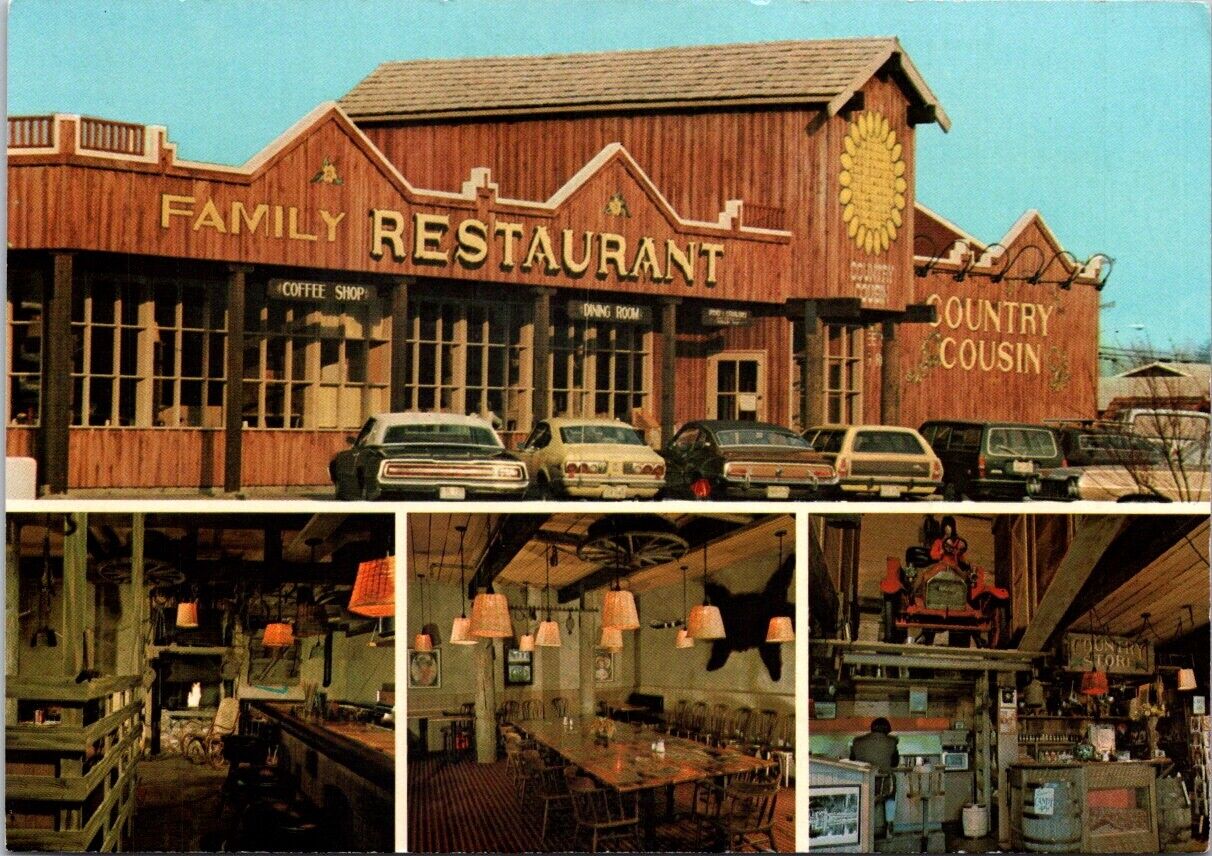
724, 459
878, 460
1110, 465
427, 456
590, 459
991, 460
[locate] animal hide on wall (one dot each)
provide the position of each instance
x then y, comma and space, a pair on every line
747, 616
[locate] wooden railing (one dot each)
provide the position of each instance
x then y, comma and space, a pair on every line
30, 132
764, 216
103, 135
70, 778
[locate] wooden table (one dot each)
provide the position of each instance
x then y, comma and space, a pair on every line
628, 764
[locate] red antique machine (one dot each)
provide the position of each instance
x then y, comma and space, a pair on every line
937, 589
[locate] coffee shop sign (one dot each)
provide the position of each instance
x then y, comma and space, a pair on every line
1117, 655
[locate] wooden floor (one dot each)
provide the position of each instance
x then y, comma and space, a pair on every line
469, 807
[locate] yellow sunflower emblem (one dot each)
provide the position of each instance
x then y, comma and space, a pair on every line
872, 183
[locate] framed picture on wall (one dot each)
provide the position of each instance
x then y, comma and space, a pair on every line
604, 667
425, 670
834, 815
519, 667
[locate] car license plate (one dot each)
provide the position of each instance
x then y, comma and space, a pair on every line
452, 492
1022, 468
614, 491
777, 491
890, 491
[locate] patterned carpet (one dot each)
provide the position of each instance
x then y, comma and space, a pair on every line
467, 807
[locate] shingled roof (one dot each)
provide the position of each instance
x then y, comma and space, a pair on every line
825, 72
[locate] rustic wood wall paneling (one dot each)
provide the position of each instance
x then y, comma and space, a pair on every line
890, 375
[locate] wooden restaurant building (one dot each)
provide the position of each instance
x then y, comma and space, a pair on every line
716, 231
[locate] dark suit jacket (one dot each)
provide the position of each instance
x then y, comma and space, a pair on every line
876, 749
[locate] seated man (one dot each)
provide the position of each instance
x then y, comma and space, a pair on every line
879, 749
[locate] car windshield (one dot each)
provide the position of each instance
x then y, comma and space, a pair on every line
622, 435
760, 437
1036, 442
440, 433
887, 442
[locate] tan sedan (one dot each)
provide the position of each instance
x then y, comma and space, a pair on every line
590, 459
878, 461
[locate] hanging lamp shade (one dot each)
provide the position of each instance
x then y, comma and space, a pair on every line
684, 640
374, 591
460, 631
1094, 683
278, 634
187, 614
780, 629
526, 642
619, 610
705, 622
1186, 679
612, 639
490, 617
548, 635
422, 642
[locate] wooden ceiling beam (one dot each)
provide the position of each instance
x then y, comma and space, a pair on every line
512, 534
1094, 535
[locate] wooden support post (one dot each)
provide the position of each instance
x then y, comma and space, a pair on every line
1007, 754
399, 346
53, 428
131, 652
486, 703
541, 404
812, 399
233, 437
669, 355
75, 592
587, 641
12, 611
890, 376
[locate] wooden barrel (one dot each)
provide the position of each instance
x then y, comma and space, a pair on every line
1058, 832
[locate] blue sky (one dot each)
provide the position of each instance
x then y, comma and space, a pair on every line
1097, 114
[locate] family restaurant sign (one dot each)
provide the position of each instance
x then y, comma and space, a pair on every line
978, 326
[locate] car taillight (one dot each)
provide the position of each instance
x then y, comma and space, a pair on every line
701, 488
1065, 463
936, 470
736, 470
843, 467
980, 466
658, 470
584, 468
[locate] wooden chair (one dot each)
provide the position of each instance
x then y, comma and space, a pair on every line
208, 748
746, 812
761, 732
782, 748
672, 722
551, 790
559, 707
604, 817
719, 721
696, 720
514, 746
532, 709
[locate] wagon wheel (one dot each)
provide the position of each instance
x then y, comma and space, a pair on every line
156, 572
632, 541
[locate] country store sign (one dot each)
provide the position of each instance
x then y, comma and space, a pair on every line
438, 240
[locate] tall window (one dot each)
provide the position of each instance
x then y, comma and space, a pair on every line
470, 357
25, 303
599, 369
147, 353
313, 366
843, 373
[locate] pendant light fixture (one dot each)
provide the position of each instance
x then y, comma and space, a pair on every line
187, 613
490, 616
422, 641
460, 628
278, 634
618, 609
374, 591
526, 642
780, 629
611, 639
548, 635
684, 639
705, 621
